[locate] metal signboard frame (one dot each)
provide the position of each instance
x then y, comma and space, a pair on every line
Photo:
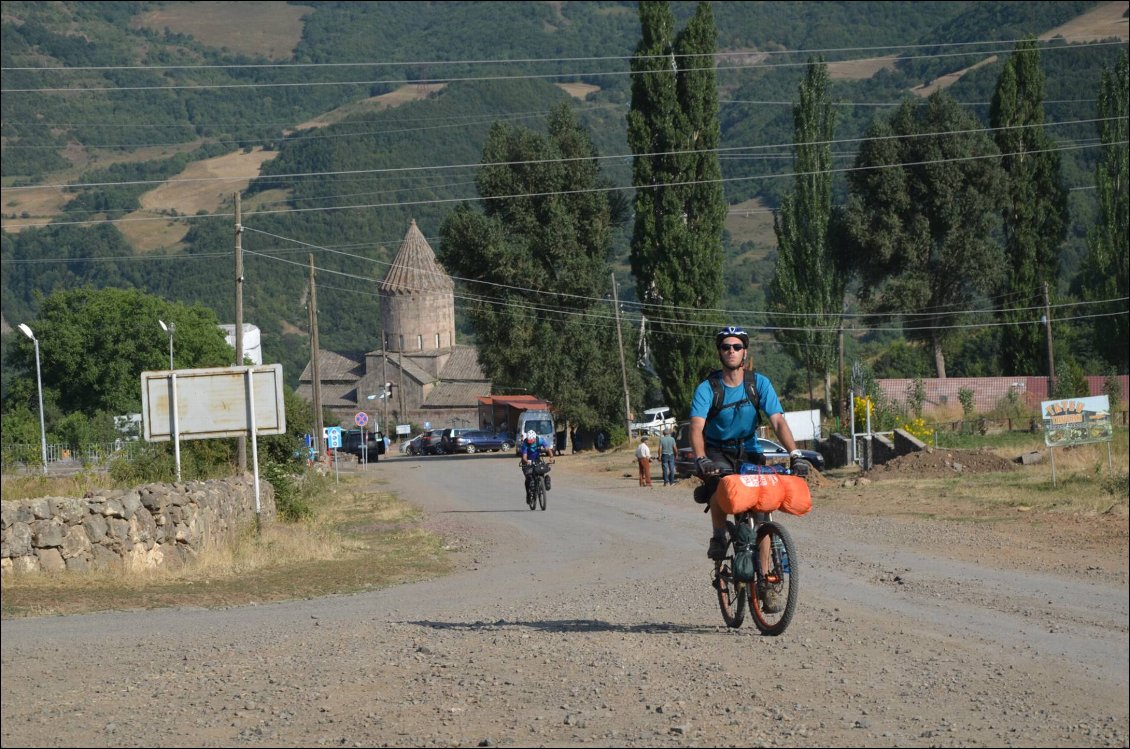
211, 402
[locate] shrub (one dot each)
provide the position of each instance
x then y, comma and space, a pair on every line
290, 499
918, 428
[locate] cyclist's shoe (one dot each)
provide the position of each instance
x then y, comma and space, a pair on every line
718, 548
547, 482
530, 500
770, 598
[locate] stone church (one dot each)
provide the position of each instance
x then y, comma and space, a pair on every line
433, 380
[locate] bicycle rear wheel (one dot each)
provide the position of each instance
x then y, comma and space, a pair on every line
541, 492
773, 596
731, 594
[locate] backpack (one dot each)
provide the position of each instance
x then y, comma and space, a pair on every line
719, 392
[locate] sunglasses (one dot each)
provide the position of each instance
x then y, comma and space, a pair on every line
731, 347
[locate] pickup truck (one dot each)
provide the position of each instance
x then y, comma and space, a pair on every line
654, 421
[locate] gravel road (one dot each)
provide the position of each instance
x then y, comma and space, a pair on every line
593, 623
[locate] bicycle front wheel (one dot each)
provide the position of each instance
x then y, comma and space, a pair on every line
731, 595
541, 493
773, 596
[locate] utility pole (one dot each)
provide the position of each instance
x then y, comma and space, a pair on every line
399, 377
241, 441
623, 367
1048, 327
315, 373
384, 363
840, 383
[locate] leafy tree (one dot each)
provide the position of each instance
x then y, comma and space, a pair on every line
94, 346
676, 254
1035, 209
538, 259
808, 278
923, 206
1107, 272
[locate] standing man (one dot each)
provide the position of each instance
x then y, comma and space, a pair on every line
667, 451
643, 457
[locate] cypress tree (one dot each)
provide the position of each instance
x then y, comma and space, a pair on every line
808, 280
676, 253
1106, 271
1035, 207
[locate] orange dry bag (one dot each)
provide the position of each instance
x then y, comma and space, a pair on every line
763, 492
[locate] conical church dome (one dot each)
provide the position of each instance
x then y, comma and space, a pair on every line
417, 299
415, 268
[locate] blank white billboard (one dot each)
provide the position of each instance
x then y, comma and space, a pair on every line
212, 402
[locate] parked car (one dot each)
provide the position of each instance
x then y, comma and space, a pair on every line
430, 442
351, 445
412, 446
654, 421
477, 440
774, 453
447, 438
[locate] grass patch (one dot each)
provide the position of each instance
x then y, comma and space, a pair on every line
354, 540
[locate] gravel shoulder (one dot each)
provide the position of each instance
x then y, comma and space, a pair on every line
594, 623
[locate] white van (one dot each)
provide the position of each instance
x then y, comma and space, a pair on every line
539, 421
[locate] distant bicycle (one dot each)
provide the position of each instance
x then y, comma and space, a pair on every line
541, 468
772, 592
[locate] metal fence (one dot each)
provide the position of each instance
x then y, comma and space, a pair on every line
61, 455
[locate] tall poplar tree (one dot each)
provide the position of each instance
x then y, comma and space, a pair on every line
676, 254
1106, 272
1035, 209
541, 248
806, 294
924, 204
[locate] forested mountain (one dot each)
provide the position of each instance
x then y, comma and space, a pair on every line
375, 113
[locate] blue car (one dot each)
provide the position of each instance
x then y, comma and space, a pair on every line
477, 441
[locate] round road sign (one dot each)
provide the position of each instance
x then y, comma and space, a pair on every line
361, 419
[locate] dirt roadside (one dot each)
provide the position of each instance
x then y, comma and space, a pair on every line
593, 624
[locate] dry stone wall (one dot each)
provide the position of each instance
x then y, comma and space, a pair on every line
152, 525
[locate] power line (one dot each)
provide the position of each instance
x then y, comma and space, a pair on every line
500, 61
725, 150
473, 79
551, 193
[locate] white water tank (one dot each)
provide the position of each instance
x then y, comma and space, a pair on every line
252, 346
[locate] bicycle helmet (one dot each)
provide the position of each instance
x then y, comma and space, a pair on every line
531, 436
731, 331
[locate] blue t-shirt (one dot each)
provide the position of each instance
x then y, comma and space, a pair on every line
739, 421
534, 451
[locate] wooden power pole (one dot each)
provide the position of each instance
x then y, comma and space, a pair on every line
240, 442
315, 368
623, 367
1048, 328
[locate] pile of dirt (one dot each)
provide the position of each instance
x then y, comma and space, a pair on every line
936, 463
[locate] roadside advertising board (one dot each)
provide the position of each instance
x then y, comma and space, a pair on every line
1077, 421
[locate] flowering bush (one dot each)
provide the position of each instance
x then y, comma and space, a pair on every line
918, 428
862, 405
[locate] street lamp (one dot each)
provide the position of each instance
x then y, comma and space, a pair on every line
39, 382
171, 330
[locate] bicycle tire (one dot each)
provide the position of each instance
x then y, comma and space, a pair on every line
782, 577
541, 492
731, 595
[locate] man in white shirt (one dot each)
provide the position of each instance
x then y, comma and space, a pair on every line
643, 457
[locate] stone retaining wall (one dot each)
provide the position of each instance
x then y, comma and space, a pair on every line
137, 528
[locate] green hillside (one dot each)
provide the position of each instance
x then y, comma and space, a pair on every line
155, 89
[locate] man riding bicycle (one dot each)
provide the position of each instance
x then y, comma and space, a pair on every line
725, 411
531, 450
